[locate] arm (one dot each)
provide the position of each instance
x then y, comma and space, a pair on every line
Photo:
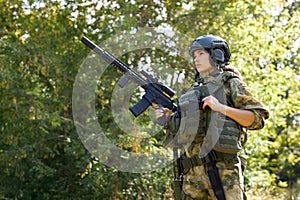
241, 116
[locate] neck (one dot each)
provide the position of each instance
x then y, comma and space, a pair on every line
213, 72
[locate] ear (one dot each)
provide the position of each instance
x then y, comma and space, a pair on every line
219, 55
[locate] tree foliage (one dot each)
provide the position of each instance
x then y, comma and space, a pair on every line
41, 155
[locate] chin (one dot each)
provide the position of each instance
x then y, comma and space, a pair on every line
201, 71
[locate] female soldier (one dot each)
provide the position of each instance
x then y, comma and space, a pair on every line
218, 172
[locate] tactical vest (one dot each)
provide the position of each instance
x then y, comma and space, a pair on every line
207, 128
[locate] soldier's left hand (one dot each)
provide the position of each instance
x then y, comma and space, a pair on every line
212, 102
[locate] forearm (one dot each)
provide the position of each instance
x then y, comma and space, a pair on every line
243, 117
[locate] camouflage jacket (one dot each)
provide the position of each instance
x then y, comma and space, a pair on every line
240, 97
237, 95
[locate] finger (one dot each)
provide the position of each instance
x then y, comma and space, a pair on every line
158, 115
155, 105
205, 98
203, 104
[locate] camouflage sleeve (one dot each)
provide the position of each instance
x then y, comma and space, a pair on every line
242, 98
173, 122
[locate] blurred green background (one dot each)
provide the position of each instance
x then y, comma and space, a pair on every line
41, 155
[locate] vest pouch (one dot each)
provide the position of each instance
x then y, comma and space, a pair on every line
189, 108
232, 137
171, 130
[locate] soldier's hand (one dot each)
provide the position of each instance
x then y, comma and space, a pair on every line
213, 103
160, 111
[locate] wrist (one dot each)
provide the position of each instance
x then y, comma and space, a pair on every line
223, 109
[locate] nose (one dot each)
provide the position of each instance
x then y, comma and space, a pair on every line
196, 58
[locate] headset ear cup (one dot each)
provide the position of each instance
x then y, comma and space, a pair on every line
219, 55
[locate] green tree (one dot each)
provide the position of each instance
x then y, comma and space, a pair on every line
41, 155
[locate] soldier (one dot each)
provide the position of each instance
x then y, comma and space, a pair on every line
226, 111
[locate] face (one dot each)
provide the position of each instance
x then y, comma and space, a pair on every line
201, 60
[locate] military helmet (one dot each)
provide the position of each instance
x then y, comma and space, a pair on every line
217, 47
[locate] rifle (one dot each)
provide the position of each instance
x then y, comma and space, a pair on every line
155, 91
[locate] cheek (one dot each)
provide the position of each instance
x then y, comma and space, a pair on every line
206, 61
207, 57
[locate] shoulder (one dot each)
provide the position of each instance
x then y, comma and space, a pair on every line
233, 70
232, 80
227, 75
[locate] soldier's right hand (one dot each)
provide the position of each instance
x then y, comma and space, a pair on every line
161, 112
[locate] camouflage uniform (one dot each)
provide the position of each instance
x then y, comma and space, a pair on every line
196, 184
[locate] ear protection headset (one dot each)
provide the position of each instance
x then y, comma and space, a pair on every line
218, 55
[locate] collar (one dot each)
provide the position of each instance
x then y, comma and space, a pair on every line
211, 76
